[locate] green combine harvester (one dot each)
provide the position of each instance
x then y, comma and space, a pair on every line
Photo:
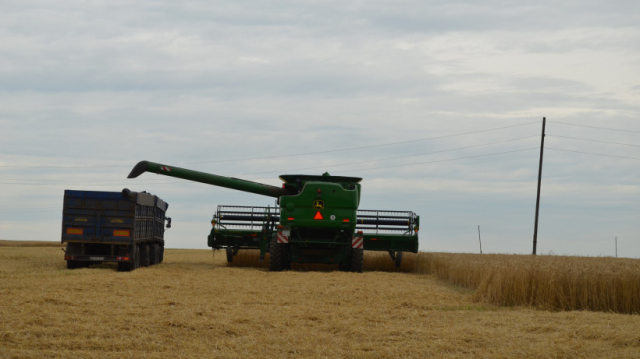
316, 220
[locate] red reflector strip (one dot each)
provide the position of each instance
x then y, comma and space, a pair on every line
345, 220
357, 242
290, 219
74, 230
318, 216
117, 233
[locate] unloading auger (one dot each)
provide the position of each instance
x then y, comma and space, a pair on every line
316, 220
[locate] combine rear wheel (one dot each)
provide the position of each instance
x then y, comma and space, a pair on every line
357, 259
229, 255
275, 256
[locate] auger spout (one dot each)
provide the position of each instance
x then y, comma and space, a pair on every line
221, 181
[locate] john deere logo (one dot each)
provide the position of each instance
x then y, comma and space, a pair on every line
318, 204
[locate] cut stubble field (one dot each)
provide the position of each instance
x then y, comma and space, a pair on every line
193, 305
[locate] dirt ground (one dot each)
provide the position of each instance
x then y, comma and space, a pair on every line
194, 306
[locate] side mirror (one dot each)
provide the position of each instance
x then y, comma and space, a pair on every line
168, 219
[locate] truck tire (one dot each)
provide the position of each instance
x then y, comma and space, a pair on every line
229, 255
136, 257
132, 264
125, 266
73, 264
275, 256
357, 259
153, 254
144, 255
161, 254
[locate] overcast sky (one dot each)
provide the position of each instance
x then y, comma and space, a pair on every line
438, 105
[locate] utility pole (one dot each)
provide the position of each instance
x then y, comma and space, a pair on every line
480, 240
616, 247
535, 231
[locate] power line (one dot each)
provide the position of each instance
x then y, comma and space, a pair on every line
447, 160
585, 139
297, 154
597, 154
599, 128
370, 146
366, 169
388, 158
315, 167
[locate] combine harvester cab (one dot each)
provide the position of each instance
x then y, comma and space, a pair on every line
316, 220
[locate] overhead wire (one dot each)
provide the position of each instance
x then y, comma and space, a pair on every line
447, 160
592, 153
338, 165
590, 140
595, 127
298, 154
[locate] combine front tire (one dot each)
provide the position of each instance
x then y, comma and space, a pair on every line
275, 256
398, 259
229, 255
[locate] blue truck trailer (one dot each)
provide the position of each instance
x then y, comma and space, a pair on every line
124, 227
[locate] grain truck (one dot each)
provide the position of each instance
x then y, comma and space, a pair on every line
124, 227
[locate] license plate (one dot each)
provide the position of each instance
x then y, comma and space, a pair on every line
96, 258
286, 233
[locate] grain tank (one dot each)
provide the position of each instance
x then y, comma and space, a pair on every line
315, 220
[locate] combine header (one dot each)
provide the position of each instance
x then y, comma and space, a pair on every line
316, 220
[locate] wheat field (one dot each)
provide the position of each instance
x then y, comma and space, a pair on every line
193, 305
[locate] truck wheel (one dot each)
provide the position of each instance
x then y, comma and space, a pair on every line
398, 259
73, 264
153, 254
161, 254
144, 255
275, 256
136, 257
357, 259
125, 266
229, 255
156, 256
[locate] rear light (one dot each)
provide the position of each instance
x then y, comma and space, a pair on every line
121, 233
345, 220
69, 258
290, 219
74, 231
122, 258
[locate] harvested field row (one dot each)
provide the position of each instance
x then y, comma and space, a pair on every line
7, 243
194, 306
